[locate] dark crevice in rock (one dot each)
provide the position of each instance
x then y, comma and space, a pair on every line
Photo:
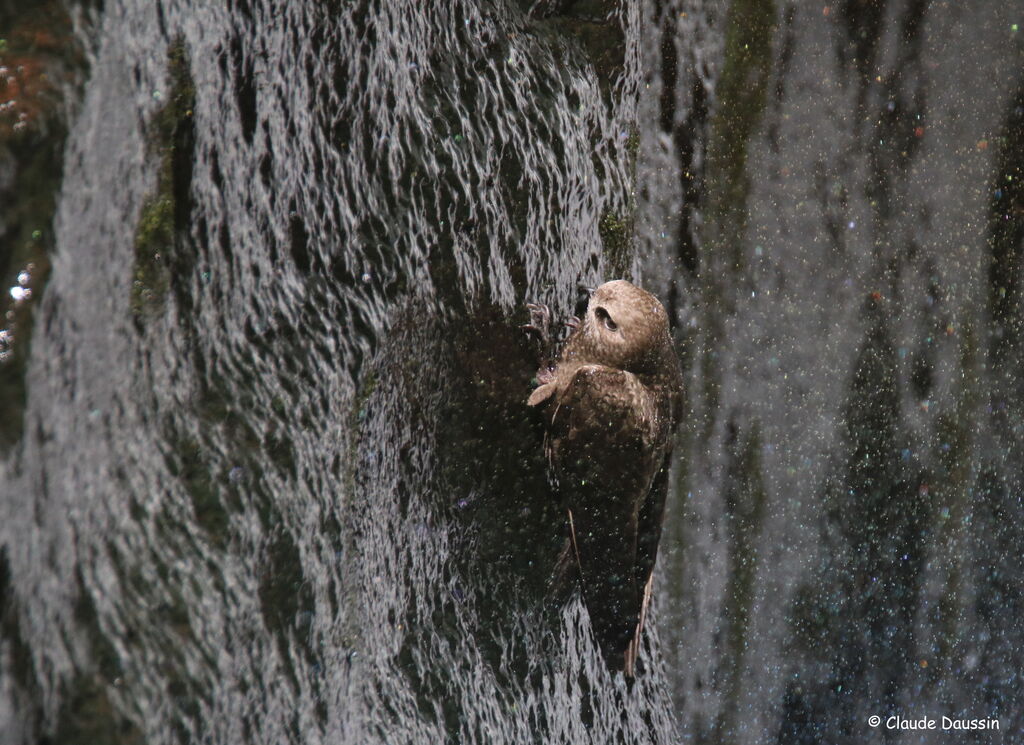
1006, 241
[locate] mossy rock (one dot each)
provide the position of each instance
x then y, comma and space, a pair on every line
161, 253
617, 239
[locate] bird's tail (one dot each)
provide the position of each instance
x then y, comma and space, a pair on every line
633, 648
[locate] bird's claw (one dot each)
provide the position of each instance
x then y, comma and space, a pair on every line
573, 323
540, 322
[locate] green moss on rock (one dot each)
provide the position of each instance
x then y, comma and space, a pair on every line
741, 98
154, 237
742, 94
160, 256
617, 239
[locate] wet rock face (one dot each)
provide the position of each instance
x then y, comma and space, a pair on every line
848, 324
274, 443
266, 470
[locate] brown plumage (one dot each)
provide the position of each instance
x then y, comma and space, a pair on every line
610, 406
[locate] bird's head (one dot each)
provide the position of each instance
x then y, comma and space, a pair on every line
626, 327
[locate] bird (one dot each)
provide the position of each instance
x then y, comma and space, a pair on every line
610, 405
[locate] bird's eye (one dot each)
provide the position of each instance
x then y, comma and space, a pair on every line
603, 317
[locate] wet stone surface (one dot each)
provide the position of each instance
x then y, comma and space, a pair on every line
266, 469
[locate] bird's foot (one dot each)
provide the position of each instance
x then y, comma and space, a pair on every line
573, 323
539, 326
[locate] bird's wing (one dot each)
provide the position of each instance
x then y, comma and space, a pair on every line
600, 439
649, 522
